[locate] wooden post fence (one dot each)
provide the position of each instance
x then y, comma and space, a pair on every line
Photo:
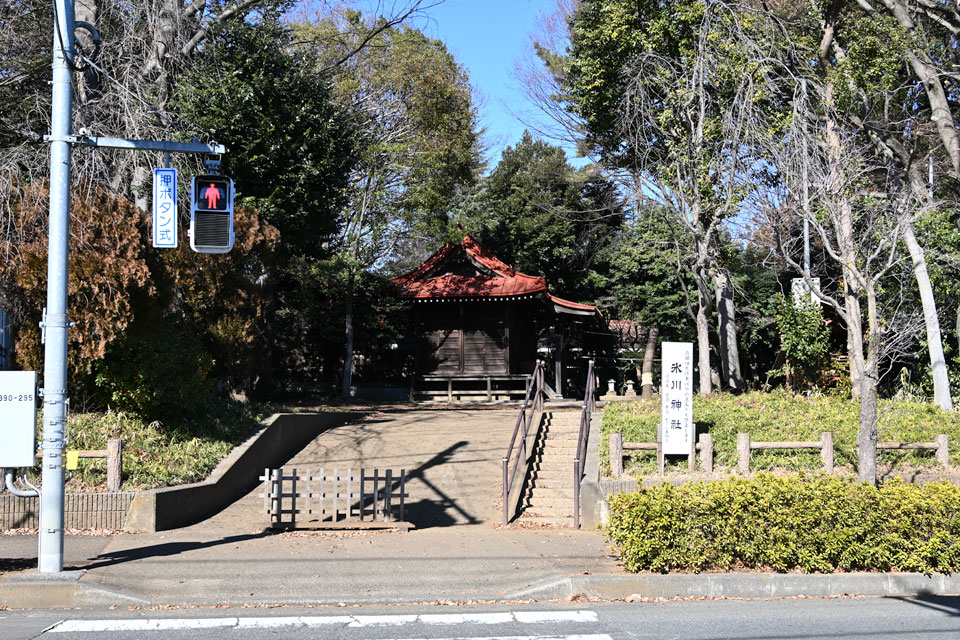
745, 446
341, 499
113, 454
619, 448
939, 446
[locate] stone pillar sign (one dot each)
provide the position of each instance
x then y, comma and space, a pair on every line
676, 399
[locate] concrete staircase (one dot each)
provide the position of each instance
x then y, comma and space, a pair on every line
548, 494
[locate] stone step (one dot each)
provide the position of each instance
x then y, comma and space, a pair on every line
551, 476
551, 499
560, 428
540, 521
548, 512
565, 484
564, 424
553, 464
540, 494
560, 449
562, 435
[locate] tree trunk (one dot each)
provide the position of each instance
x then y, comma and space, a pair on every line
867, 435
348, 323
848, 254
938, 363
703, 346
854, 341
646, 379
157, 65
88, 85
727, 328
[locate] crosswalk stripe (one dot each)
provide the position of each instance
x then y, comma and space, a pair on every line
164, 624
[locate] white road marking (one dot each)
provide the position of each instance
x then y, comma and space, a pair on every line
380, 621
303, 621
555, 616
163, 624
592, 636
467, 618
156, 624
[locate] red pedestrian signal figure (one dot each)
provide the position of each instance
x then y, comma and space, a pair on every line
211, 214
211, 194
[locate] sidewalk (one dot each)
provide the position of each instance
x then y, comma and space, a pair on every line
186, 567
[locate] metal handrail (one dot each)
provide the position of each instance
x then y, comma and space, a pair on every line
535, 404
589, 404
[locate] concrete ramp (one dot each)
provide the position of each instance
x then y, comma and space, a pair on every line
451, 456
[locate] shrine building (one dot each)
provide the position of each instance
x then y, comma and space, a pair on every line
480, 325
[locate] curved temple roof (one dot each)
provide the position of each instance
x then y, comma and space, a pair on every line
443, 276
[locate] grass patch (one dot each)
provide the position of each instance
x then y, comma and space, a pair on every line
160, 454
783, 416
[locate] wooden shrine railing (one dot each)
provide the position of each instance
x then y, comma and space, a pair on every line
579, 462
334, 500
532, 402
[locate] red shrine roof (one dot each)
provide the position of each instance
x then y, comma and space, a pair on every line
467, 270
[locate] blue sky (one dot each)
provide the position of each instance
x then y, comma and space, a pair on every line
488, 37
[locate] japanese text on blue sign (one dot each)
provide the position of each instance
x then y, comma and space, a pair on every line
165, 208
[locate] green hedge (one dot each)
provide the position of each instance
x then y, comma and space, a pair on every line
812, 524
780, 415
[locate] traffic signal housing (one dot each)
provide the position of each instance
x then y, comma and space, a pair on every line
211, 214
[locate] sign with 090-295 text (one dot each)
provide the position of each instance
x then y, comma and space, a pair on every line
18, 418
676, 398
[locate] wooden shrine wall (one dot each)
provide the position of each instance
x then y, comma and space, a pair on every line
463, 338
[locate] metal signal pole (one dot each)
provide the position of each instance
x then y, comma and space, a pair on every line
55, 323
806, 189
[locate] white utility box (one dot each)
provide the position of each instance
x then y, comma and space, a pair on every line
18, 418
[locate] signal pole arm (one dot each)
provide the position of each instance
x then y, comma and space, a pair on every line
145, 145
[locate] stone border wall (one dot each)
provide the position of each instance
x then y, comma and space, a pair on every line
81, 511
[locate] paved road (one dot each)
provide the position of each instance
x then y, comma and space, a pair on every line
793, 619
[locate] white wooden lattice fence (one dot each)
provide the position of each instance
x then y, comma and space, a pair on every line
337, 499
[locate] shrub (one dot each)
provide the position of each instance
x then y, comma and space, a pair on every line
157, 454
161, 375
783, 416
812, 524
804, 339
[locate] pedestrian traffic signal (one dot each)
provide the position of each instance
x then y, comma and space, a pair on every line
211, 214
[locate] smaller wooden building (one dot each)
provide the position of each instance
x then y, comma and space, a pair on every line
478, 322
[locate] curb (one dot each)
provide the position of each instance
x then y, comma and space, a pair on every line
65, 591
742, 585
